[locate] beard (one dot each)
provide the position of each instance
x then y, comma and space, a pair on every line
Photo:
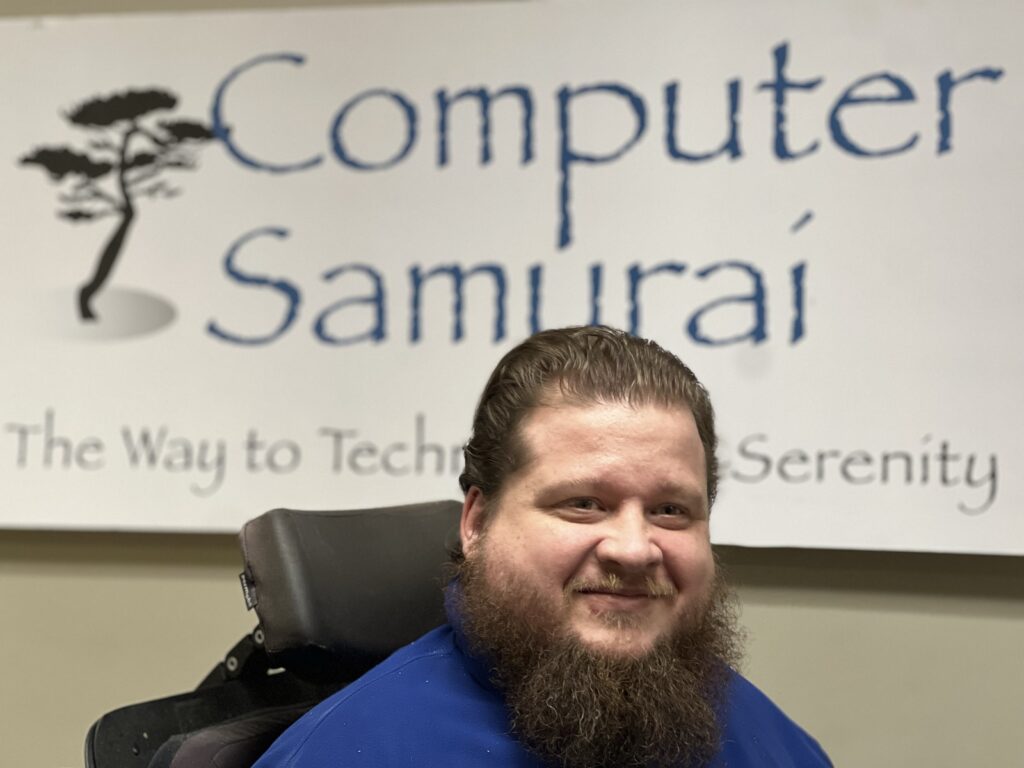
577, 707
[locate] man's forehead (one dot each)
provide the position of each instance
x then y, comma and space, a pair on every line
561, 402
578, 426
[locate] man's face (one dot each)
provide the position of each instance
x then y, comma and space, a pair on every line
606, 527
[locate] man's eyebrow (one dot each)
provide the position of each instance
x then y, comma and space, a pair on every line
570, 483
683, 491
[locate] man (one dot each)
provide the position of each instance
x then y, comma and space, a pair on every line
588, 625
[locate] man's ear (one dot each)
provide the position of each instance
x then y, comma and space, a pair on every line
473, 517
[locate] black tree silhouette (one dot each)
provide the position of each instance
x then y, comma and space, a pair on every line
124, 157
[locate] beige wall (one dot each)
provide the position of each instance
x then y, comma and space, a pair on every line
889, 659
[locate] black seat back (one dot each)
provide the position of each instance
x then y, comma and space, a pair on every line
335, 593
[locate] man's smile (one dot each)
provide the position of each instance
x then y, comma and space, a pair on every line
617, 601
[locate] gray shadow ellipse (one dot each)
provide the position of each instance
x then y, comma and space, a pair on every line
121, 313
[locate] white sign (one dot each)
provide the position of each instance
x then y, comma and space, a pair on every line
269, 258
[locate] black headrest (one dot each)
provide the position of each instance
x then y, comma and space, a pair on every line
335, 591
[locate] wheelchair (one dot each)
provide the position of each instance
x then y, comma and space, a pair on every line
335, 593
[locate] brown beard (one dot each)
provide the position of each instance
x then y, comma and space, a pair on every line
580, 708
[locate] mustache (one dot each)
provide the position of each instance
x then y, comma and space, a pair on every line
615, 584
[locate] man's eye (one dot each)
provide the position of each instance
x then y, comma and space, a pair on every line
670, 510
585, 505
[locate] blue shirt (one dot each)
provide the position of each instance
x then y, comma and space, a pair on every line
431, 705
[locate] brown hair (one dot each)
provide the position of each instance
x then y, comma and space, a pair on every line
587, 364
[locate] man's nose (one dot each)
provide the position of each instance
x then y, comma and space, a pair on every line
629, 541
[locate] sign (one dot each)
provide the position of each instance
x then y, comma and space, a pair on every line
269, 258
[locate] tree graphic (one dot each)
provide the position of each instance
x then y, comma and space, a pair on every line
123, 162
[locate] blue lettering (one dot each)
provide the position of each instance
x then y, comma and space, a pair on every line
596, 277
377, 333
408, 112
779, 86
756, 298
222, 130
484, 99
458, 275
732, 141
535, 273
797, 276
636, 274
849, 97
946, 83
290, 292
569, 154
